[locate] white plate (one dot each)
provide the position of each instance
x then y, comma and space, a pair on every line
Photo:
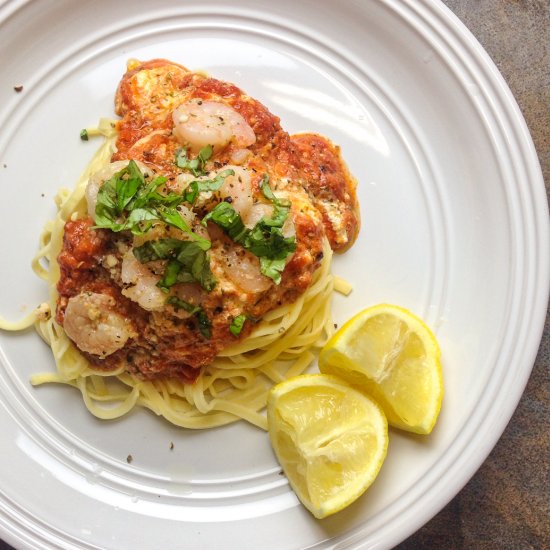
455, 228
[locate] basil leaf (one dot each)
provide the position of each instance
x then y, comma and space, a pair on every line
265, 241
203, 321
202, 273
182, 304
196, 165
170, 276
273, 268
199, 186
105, 210
266, 190
216, 183
126, 195
191, 192
204, 324
192, 261
268, 193
224, 215
277, 219
237, 324
135, 220
270, 244
116, 193
148, 194
172, 217
127, 183
160, 249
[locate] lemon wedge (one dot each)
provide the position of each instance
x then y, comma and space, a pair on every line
392, 355
329, 438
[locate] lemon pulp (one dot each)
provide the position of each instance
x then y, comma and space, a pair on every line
330, 439
392, 355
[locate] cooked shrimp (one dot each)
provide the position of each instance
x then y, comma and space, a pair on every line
256, 213
199, 123
94, 326
191, 293
144, 290
239, 189
97, 179
243, 269
240, 156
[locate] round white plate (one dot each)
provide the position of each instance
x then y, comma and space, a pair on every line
455, 228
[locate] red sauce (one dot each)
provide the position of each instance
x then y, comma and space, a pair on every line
167, 345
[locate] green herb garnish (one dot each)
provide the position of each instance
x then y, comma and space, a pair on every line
265, 239
126, 202
188, 262
84, 135
196, 165
195, 187
203, 321
237, 324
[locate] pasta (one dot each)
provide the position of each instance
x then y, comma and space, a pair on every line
287, 317
234, 387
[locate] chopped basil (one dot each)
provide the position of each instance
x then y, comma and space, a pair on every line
126, 202
182, 304
196, 165
203, 321
170, 277
273, 268
268, 193
84, 135
188, 262
224, 215
237, 324
265, 239
205, 325
196, 187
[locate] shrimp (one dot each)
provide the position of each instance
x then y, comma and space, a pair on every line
232, 264
94, 326
238, 188
256, 213
199, 123
243, 270
252, 212
97, 179
144, 290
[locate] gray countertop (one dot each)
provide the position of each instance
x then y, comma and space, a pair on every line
506, 505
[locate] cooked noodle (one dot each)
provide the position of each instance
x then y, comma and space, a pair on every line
234, 386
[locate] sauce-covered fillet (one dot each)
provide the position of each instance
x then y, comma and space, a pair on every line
291, 191
331, 188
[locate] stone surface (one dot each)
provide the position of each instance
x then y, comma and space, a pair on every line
506, 505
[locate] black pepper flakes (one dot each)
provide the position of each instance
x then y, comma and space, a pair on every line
18, 88
171, 445
129, 459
